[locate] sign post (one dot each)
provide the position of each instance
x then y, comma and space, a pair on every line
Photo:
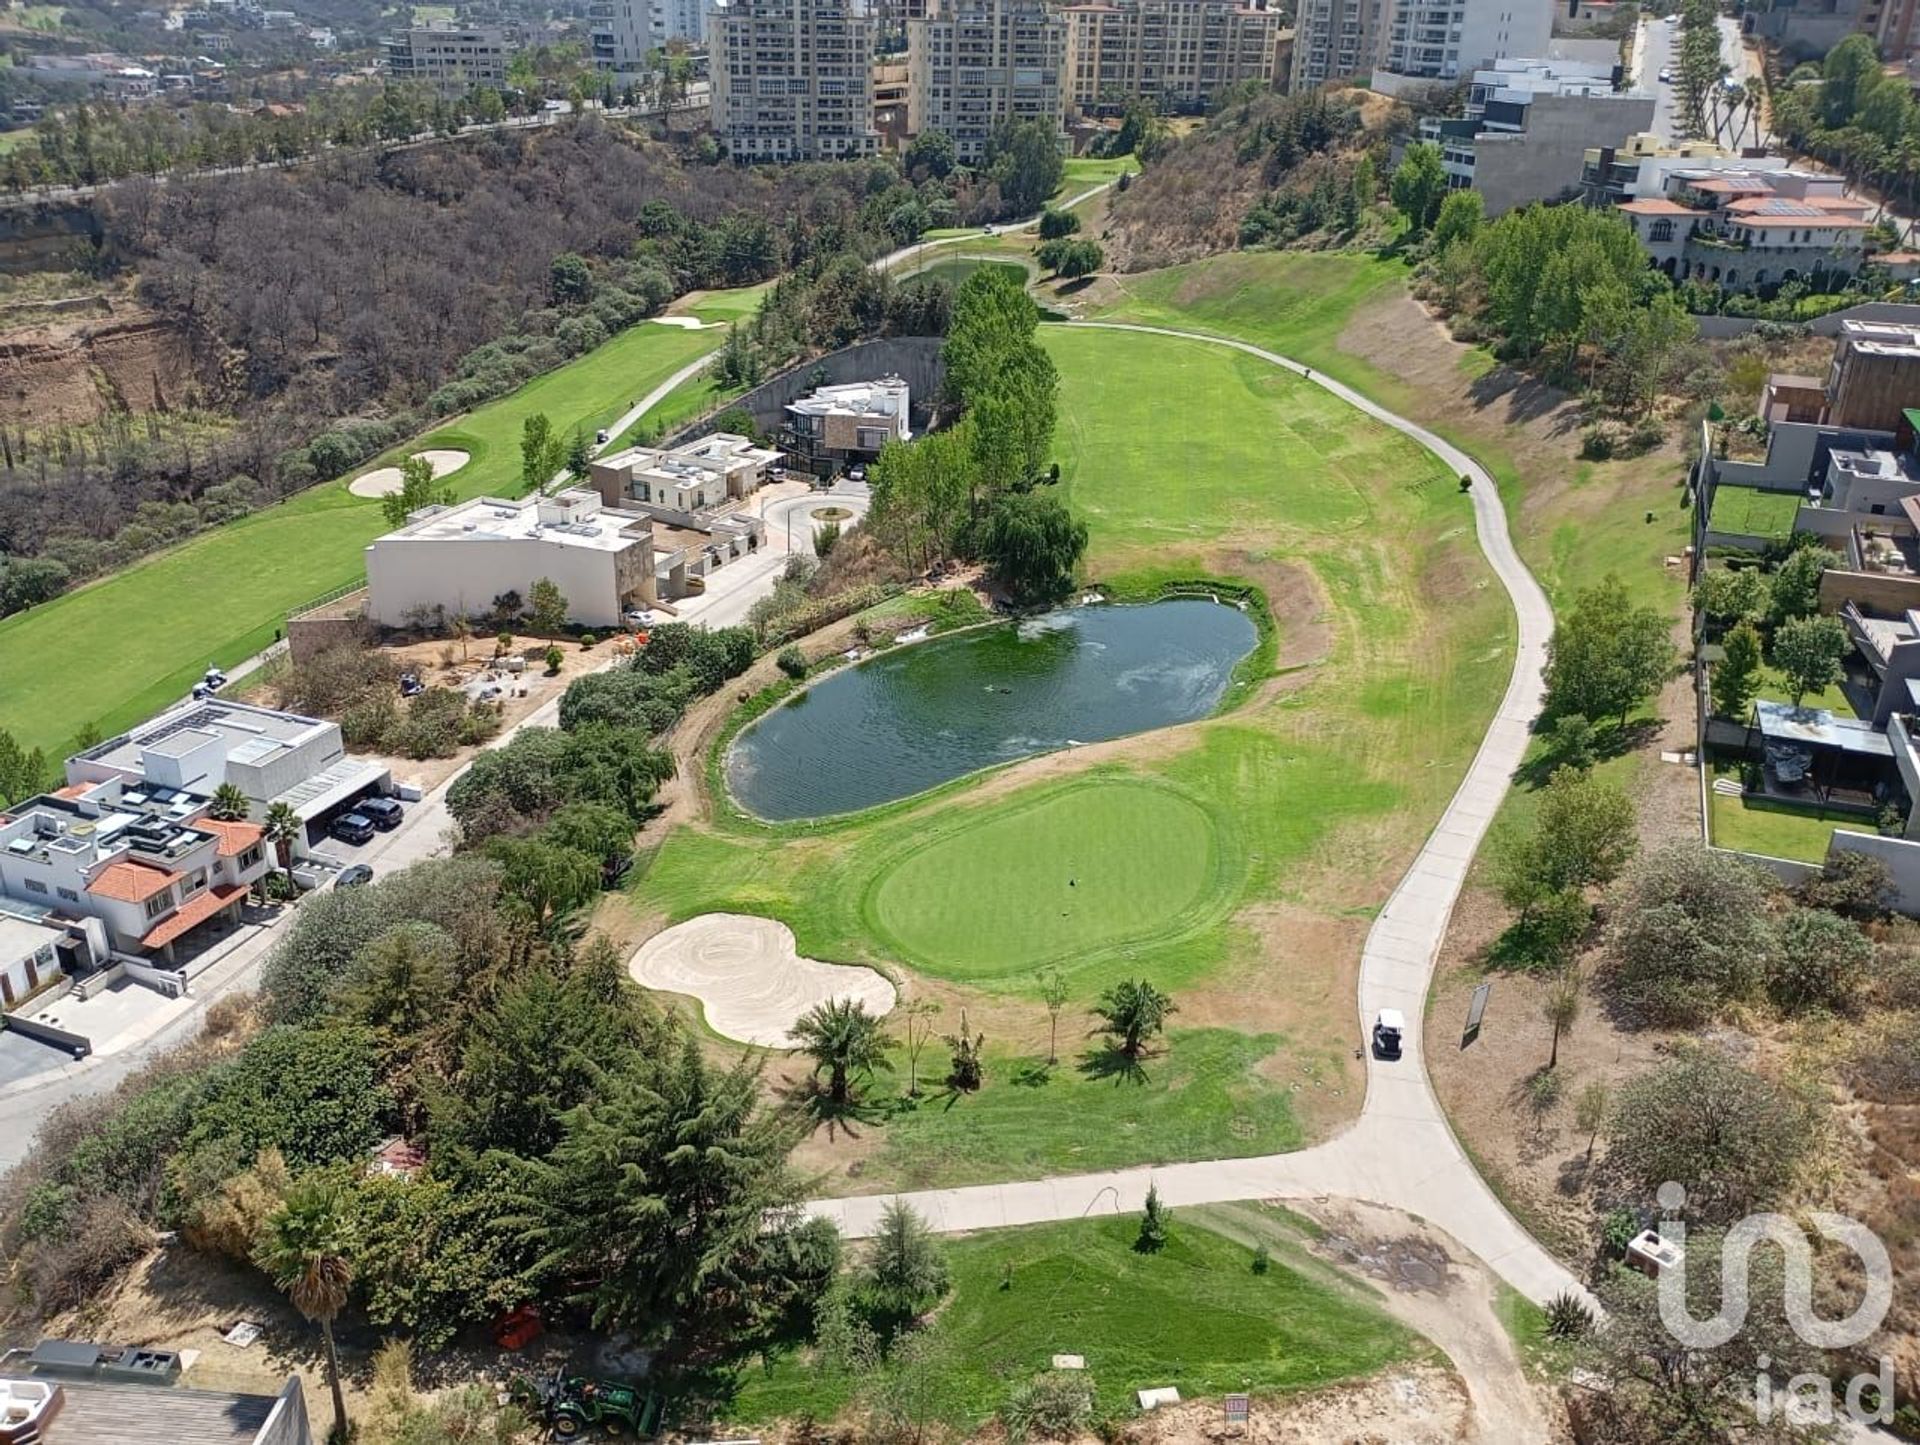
1238, 1409
1476, 1011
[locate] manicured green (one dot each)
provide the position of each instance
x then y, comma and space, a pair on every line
147, 633
1749, 511
1193, 1315
1778, 830
1199, 1098
1084, 172
1068, 872
955, 269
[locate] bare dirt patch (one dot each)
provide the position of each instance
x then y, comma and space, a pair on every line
71, 371
1409, 1405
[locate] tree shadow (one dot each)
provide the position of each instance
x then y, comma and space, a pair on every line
815, 1104
1610, 740
1110, 1061
1033, 1074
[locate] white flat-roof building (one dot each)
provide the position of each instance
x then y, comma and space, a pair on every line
28, 955
458, 559
699, 477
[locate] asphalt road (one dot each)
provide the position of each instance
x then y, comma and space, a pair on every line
1659, 50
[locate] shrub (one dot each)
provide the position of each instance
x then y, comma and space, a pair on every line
1262, 1259
1055, 1406
1153, 1223
554, 657
1821, 961
793, 662
1690, 934
1568, 1316
587, 640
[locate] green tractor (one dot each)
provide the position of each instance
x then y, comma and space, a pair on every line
572, 1405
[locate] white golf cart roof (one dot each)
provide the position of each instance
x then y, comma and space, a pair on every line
1389, 1018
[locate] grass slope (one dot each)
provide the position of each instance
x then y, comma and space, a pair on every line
1194, 1316
148, 632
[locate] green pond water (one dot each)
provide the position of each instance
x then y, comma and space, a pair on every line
915, 717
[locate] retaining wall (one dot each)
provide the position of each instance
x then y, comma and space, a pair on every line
916, 359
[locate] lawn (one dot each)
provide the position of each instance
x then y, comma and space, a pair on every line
955, 269
1070, 871
1084, 172
150, 631
1777, 830
1194, 1315
1227, 862
1751, 512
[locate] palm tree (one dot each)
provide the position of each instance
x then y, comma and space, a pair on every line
282, 827
304, 1248
1134, 1010
230, 805
842, 1039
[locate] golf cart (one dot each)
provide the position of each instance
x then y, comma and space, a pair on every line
571, 1405
1388, 1029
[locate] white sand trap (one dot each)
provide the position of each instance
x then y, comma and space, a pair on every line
385, 480
688, 323
749, 976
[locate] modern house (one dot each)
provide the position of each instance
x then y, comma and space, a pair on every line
1638, 168
1750, 229
457, 559
450, 58
975, 64
69, 1393
699, 476
792, 79
825, 430
30, 955
1178, 54
269, 755
133, 867
1526, 124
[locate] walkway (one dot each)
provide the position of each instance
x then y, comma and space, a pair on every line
1400, 1152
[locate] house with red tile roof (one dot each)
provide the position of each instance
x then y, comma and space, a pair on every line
1753, 230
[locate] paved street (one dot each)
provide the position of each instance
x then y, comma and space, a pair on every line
1401, 1152
1658, 50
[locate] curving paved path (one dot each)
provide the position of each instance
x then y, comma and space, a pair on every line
1400, 1152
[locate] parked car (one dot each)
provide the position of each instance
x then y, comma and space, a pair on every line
856, 474
1389, 1027
640, 617
1666, 77
353, 875
351, 828
384, 812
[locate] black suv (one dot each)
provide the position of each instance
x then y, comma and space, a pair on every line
383, 813
352, 828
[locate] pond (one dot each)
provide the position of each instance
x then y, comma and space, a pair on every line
916, 716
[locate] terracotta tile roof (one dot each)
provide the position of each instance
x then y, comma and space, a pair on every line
235, 838
191, 914
1840, 203
72, 790
132, 882
1657, 207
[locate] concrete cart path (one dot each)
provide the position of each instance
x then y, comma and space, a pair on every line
1400, 1152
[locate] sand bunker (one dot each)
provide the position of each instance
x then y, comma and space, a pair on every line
688, 323
749, 977
384, 480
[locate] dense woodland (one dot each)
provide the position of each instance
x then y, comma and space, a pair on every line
333, 309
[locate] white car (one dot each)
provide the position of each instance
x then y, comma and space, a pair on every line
1666, 77
640, 617
1388, 1030
1673, 20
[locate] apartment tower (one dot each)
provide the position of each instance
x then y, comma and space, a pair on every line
972, 64
792, 79
1178, 54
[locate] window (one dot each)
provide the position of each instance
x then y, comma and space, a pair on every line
159, 903
250, 857
34, 885
1662, 231
71, 895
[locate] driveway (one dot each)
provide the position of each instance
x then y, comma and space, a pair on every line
1400, 1152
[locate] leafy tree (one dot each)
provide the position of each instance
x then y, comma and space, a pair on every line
1583, 835
1590, 1111
907, 1271
666, 1205
1053, 990
541, 452
1072, 256
429, 1257
1821, 961
1366, 182
1142, 133
1153, 1223
1571, 741
548, 880
1033, 543
579, 456
1055, 224
1461, 215
28, 581
793, 662
1023, 157
1690, 933
931, 151
1808, 652
548, 605
307, 1250
313, 1094
1561, 1008
1734, 1139
416, 491
22, 773
1737, 677
1796, 585
1733, 594
844, 1041
1419, 185
1133, 1011
230, 804
1606, 655
569, 282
